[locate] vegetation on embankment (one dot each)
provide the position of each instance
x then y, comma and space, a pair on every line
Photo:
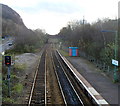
90, 39
16, 86
28, 42
22, 73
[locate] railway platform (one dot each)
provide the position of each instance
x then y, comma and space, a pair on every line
100, 82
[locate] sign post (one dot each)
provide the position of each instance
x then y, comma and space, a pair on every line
115, 63
116, 56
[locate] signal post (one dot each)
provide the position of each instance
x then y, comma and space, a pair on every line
8, 64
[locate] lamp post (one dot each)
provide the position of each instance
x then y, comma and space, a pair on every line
115, 62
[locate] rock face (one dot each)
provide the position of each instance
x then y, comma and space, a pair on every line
9, 13
12, 22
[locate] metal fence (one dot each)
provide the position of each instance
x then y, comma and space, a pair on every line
106, 69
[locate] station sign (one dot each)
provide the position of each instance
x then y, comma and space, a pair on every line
115, 62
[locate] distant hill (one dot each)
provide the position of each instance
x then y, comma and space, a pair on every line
11, 21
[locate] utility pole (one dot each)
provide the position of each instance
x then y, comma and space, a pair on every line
83, 23
83, 29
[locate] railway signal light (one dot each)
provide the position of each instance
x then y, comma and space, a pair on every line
7, 60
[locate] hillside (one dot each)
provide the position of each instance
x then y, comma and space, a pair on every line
11, 21
9, 13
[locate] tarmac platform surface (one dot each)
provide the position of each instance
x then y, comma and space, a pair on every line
102, 83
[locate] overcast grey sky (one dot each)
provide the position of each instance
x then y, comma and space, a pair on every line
52, 15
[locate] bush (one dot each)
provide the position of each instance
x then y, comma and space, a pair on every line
107, 54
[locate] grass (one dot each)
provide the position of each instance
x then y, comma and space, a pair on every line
8, 100
18, 88
0, 62
20, 66
64, 53
14, 77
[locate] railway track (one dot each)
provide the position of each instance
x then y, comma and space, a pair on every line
53, 94
37, 95
69, 93
43, 90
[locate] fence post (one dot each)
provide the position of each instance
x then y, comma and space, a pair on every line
104, 67
108, 69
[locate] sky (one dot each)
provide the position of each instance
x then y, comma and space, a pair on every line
52, 15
